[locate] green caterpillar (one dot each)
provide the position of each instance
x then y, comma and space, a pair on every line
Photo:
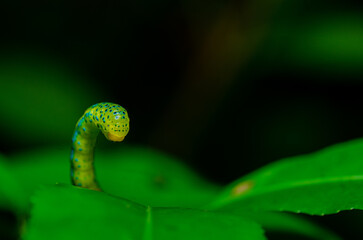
109, 118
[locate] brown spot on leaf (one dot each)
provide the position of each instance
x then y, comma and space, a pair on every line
159, 181
242, 188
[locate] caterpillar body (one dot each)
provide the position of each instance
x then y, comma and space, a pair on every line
109, 118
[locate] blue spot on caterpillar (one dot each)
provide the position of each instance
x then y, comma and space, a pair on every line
82, 169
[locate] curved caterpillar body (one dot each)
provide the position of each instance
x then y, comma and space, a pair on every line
109, 118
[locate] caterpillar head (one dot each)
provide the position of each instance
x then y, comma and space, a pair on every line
116, 123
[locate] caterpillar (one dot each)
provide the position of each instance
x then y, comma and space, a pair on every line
109, 118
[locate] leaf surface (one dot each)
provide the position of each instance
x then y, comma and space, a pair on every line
139, 174
324, 182
11, 194
64, 212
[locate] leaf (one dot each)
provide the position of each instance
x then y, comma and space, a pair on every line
142, 175
321, 183
64, 212
278, 222
11, 194
38, 167
179, 223
164, 180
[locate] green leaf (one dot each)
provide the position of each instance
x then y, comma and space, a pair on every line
139, 174
163, 179
321, 183
64, 212
11, 194
278, 222
38, 167
179, 223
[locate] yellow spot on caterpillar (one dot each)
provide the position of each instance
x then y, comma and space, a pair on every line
114, 137
242, 188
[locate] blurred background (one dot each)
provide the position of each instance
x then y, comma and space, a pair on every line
226, 86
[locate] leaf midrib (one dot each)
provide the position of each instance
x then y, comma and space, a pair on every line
148, 224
